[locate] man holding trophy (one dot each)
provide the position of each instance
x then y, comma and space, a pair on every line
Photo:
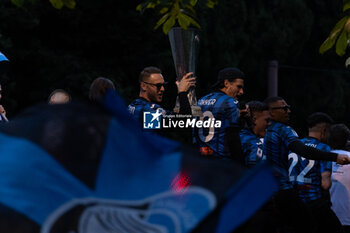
152, 87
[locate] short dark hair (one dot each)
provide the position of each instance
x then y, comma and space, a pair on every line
146, 72
338, 136
257, 106
272, 99
318, 118
99, 88
230, 74
254, 107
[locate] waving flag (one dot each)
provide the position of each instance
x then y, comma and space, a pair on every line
80, 168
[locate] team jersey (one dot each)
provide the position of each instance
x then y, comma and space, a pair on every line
252, 147
222, 107
140, 105
277, 139
305, 174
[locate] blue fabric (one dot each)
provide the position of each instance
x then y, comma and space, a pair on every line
247, 196
223, 108
149, 171
305, 174
252, 147
277, 139
26, 166
3, 57
25, 169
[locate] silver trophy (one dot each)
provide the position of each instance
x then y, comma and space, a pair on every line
184, 47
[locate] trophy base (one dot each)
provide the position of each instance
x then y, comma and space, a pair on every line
196, 111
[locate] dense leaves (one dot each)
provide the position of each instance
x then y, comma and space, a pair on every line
340, 34
181, 11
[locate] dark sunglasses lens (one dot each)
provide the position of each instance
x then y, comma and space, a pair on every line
160, 85
286, 108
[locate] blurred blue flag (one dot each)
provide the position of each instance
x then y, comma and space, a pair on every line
85, 168
3, 57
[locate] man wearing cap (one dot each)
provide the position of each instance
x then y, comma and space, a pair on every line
152, 87
222, 104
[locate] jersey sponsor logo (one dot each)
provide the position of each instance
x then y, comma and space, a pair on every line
207, 102
311, 145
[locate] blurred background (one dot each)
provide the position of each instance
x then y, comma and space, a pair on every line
68, 48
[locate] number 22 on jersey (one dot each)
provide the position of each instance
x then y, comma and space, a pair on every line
298, 170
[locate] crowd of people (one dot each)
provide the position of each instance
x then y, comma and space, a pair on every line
312, 173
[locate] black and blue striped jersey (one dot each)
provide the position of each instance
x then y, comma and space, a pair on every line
305, 174
140, 105
277, 139
252, 147
219, 106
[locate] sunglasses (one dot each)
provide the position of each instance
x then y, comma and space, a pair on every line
285, 108
158, 85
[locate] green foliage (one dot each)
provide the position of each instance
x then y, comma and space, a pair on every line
181, 11
338, 30
169, 23
58, 4
18, 3
211, 3
340, 34
346, 6
342, 43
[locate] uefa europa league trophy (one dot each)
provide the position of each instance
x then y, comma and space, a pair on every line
184, 47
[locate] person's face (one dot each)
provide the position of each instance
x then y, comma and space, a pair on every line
261, 121
234, 89
154, 88
280, 111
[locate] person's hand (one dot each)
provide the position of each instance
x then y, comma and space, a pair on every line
244, 112
343, 159
186, 82
2, 110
